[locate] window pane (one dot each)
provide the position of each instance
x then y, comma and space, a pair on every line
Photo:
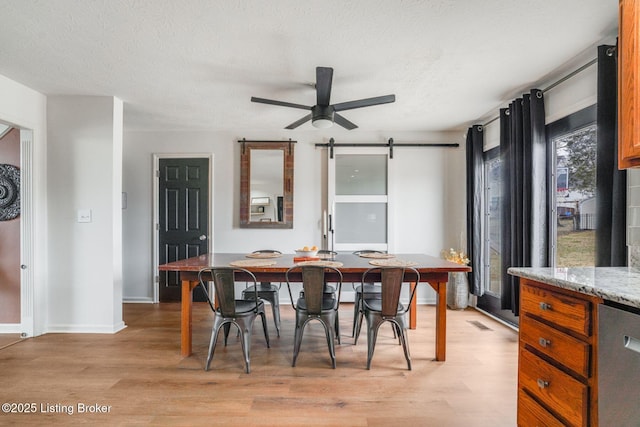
361, 223
575, 206
361, 174
493, 170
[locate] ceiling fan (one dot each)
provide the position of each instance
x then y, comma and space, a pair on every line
323, 114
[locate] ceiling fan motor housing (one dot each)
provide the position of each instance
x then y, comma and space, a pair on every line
322, 112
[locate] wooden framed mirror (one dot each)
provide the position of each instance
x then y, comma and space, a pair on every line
266, 184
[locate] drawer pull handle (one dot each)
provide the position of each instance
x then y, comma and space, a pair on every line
545, 306
542, 383
632, 343
544, 342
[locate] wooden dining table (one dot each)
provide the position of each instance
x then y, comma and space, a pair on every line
433, 271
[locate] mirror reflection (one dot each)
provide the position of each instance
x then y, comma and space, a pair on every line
266, 184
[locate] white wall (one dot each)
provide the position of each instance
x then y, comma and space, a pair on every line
430, 182
85, 273
26, 109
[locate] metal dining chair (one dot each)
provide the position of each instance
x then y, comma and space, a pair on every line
315, 304
368, 289
388, 308
267, 291
326, 254
231, 311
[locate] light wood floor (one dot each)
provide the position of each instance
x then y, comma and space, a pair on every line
140, 375
8, 339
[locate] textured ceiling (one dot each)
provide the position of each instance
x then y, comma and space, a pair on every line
194, 64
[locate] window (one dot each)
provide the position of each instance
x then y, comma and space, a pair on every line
493, 225
572, 141
491, 301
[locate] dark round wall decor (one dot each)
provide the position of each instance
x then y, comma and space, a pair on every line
9, 192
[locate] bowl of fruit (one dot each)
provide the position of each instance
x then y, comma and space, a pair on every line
307, 251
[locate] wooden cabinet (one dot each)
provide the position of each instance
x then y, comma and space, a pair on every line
629, 84
557, 378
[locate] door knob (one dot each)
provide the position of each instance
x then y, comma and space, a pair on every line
203, 237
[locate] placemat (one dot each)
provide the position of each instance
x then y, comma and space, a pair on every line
264, 255
252, 263
392, 263
376, 255
335, 264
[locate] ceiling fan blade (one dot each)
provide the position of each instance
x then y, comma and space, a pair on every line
350, 105
337, 118
299, 122
324, 78
280, 103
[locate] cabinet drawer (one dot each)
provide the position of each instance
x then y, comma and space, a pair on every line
568, 396
565, 349
561, 310
531, 414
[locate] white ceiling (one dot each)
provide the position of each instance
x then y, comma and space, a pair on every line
194, 64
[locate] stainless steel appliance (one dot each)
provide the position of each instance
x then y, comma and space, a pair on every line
618, 366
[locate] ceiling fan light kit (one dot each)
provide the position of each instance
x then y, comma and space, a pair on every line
323, 114
322, 123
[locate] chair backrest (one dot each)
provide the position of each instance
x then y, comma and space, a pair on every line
391, 279
267, 251
223, 279
313, 281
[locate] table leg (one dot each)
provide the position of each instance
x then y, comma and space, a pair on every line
441, 321
413, 308
186, 316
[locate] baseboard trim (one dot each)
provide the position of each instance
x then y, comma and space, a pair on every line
11, 328
86, 329
137, 300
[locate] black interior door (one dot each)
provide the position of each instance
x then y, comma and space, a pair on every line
184, 218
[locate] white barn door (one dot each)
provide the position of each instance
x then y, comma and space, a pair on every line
359, 199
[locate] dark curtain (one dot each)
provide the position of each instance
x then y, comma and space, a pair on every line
475, 189
525, 220
611, 183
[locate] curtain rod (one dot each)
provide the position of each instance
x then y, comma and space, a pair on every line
557, 82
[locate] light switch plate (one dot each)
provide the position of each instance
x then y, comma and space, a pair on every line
84, 215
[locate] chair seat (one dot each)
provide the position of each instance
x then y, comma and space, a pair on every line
329, 289
369, 289
245, 306
374, 304
328, 292
262, 287
328, 303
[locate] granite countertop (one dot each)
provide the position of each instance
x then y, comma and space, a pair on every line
618, 284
